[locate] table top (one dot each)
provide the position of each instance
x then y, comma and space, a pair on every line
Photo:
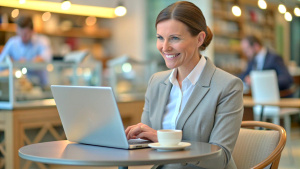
70, 153
283, 102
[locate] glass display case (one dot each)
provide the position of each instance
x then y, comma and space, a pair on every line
28, 84
129, 77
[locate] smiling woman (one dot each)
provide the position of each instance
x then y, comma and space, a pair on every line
178, 47
203, 101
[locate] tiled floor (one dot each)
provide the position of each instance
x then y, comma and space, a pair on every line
286, 162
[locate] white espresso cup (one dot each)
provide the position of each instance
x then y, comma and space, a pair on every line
169, 137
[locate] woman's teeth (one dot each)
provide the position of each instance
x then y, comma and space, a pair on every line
171, 56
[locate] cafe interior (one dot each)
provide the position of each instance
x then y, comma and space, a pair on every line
113, 43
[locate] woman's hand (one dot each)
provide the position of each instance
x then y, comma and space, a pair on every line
142, 131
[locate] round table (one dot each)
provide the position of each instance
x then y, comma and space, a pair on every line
69, 153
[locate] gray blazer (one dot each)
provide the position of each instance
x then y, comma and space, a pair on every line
213, 113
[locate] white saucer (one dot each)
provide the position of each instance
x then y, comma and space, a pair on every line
180, 146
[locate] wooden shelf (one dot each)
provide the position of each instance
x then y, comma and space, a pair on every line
229, 29
260, 24
228, 34
96, 33
225, 16
227, 50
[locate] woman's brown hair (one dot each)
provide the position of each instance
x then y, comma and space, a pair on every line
189, 14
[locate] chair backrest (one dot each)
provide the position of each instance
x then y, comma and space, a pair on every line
258, 149
264, 86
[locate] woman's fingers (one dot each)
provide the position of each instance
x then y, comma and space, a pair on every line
147, 133
141, 130
148, 136
134, 130
130, 128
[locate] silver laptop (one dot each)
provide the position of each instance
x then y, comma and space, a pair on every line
90, 115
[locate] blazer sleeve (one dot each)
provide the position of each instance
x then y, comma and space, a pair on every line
228, 118
227, 124
145, 115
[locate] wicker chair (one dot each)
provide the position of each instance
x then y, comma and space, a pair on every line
257, 149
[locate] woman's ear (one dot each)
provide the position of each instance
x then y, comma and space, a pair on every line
200, 38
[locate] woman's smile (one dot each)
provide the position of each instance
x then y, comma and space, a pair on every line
171, 56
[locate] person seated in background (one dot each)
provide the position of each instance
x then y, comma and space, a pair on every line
27, 46
195, 96
261, 58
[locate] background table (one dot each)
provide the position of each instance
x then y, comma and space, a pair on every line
284, 102
70, 153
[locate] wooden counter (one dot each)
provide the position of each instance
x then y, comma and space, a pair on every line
24, 126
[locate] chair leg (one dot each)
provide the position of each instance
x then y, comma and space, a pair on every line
256, 117
276, 120
276, 163
287, 126
258, 110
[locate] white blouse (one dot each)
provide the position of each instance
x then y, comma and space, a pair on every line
179, 97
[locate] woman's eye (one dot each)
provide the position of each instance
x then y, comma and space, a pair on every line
160, 38
174, 38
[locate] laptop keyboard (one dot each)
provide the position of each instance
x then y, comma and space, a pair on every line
138, 141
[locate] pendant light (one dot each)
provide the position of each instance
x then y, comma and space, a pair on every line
236, 10
22, 1
288, 16
120, 10
262, 4
15, 13
65, 5
46, 16
297, 11
281, 8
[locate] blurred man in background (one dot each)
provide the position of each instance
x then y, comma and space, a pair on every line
261, 58
27, 46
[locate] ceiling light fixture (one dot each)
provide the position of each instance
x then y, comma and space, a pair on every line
15, 13
236, 10
297, 11
55, 7
281, 8
65, 5
262, 4
90, 21
22, 1
288, 16
120, 10
46, 16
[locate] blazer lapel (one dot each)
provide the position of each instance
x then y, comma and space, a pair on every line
201, 88
164, 90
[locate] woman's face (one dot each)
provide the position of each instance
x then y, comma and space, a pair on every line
177, 46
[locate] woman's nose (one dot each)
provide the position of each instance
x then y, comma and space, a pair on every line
166, 46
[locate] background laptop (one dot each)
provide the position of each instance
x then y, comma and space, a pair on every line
90, 115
